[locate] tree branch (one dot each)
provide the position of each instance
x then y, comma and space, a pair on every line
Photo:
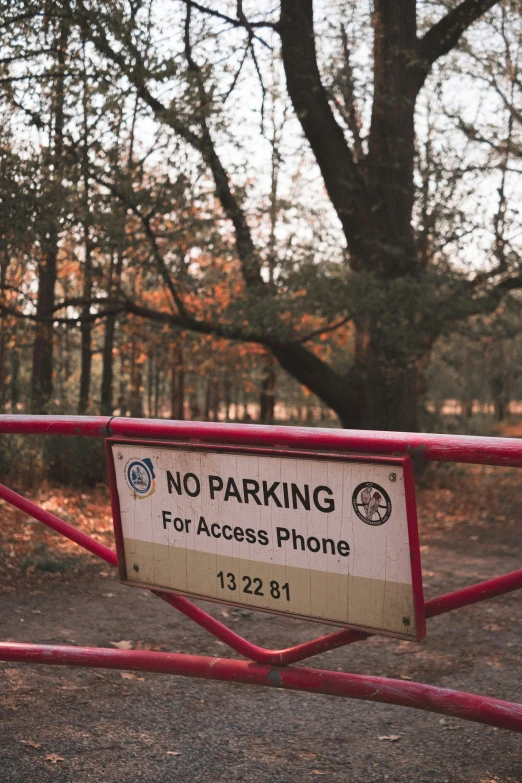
136, 72
241, 21
343, 180
445, 35
325, 330
145, 221
348, 88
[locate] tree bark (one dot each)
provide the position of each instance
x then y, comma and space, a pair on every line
374, 201
15, 377
106, 406
177, 399
86, 325
42, 374
106, 397
3, 335
267, 394
42, 370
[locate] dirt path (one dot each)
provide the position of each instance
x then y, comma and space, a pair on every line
102, 726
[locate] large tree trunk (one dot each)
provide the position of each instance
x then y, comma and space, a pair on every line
267, 394
384, 396
374, 201
86, 327
3, 336
42, 372
177, 387
15, 376
106, 396
106, 406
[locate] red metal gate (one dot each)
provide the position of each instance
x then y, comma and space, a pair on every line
272, 667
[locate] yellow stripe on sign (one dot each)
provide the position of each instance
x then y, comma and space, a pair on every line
338, 598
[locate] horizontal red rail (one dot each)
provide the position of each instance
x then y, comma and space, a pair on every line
445, 448
445, 603
481, 709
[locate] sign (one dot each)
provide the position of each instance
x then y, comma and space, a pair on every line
327, 537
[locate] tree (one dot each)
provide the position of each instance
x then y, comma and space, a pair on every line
394, 292
370, 185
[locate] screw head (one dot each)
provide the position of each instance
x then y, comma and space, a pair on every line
120, 455
393, 477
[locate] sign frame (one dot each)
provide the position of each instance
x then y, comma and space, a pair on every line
404, 462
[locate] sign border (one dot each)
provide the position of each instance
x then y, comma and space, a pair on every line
404, 462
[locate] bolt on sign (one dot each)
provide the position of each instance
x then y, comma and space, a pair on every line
327, 537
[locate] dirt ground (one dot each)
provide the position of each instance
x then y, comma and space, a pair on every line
64, 725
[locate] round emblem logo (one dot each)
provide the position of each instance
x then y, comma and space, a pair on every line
140, 477
371, 503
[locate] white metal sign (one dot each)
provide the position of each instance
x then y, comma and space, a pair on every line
323, 538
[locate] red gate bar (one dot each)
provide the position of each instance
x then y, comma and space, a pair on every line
429, 447
202, 618
492, 451
473, 594
469, 706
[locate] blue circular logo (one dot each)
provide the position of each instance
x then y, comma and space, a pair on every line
140, 477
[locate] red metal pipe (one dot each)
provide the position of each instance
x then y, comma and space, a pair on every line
55, 523
253, 651
206, 621
449, 448
21, 424
430, 447
440, 605
474, 593
482, 709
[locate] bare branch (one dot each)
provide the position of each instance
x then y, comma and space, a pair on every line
136, 72
343, 180
445, 35
239, 22
348, 88
325, 330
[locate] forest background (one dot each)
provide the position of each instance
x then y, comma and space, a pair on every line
254, 211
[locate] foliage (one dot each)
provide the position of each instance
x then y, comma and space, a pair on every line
192, 195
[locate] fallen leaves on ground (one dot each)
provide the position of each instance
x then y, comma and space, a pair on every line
23, 538
390, 737
125, 644
173, 753
130, 676
54, 758
31, 744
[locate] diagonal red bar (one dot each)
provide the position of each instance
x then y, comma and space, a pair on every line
55, 523
469, 706
474, 594
445, 603
260, 654
206, 621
